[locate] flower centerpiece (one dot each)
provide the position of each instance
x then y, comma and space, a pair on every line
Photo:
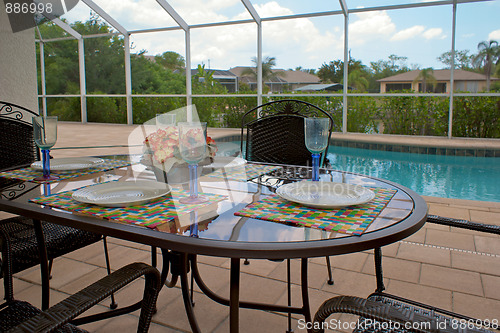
161, 150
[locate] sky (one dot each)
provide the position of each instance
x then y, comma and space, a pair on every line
420, 34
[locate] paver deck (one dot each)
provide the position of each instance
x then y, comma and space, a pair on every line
449, 268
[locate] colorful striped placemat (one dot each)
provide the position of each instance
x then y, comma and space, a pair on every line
151, 215
243, 173
352, 220
29, 174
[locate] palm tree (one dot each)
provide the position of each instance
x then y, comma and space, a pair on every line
267, 70
358, 80
426, 75
489, 53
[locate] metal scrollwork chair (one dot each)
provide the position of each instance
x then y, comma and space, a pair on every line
404, 315
19, 149
274, 133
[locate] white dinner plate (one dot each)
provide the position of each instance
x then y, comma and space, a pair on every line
122, 194
325, 195
226, 162
69, 163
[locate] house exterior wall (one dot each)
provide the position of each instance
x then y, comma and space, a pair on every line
18, 78
470, 86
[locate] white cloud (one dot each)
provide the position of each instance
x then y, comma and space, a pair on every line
137, 14
434, 33
293, 42
418, 31
494, 35
271, 9
408, 33
368, 25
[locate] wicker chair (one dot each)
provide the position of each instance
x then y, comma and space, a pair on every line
274, 132
21, 316
19, 149
399, 312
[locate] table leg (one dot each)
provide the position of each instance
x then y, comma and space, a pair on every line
170, 263
234, 296
44, 263
378, 269
289, 294
305, 291
185, 293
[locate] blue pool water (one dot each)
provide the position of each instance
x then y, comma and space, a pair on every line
458, 177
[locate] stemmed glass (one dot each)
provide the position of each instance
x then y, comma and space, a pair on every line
45, 134
193, 149
316, 137
165, 120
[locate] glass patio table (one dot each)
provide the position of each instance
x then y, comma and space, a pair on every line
215, 230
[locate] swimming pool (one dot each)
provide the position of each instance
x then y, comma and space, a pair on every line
458, 177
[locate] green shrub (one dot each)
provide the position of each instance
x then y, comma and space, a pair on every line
146, 108
65, 108
107, 110
476, 117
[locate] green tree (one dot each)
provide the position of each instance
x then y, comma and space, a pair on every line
105, 72
426, 76
489, 53
268, 73
462, 59
171, 60
305, 70
358, 79
149, 77
333, 72
61, 61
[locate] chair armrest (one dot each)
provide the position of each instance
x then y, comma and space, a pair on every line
401, 318
464, 224
74, 305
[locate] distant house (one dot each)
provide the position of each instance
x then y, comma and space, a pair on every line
150, 57
289, 80
224, 77
322, 87
463, 81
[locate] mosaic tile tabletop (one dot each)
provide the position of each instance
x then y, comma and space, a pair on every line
353, 220
243, 173
28, 174
151, 215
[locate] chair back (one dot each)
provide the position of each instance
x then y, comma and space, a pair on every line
16, 133
275, 132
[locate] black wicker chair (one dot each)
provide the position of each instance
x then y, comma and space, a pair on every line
274, 132
19, 149
404, 315
21, 316
382, 312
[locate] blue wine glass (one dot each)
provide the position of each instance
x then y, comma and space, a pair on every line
193, 149
45, 135
316, 137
